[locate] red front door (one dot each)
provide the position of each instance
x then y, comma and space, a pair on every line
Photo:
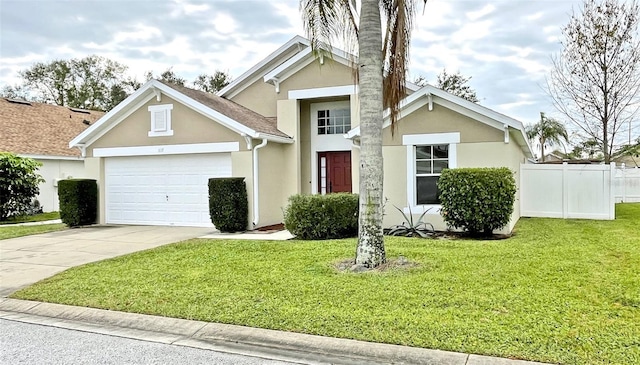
336, 176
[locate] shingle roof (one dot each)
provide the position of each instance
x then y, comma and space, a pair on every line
235, 111
41, 129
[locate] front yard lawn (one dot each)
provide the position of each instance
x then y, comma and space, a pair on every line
19, 231
32, 218
561, 291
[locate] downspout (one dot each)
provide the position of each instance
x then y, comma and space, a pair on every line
256, 180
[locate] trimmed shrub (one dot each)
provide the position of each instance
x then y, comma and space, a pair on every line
228, 204
78, 201
477, 200
19, 184
321, 217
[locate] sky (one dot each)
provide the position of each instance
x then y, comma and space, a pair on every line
505, 46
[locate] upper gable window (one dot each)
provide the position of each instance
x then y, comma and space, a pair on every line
334, 121
160, 120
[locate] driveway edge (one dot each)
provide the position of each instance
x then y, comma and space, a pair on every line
257, 342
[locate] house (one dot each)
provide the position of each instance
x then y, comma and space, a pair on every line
288, 125
42, 132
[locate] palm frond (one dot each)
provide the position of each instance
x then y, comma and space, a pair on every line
399, 15
328, 21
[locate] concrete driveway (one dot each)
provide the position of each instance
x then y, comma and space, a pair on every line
26, 260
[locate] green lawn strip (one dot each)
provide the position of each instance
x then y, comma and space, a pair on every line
32, 218
19, 231
561, 291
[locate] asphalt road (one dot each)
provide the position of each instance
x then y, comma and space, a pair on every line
24, 343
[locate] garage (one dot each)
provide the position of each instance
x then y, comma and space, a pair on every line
169, 190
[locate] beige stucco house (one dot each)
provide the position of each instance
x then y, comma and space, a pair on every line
288, 125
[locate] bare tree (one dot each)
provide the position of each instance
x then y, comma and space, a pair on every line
595, 80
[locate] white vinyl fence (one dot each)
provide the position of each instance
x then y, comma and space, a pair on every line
567, 191
627, 185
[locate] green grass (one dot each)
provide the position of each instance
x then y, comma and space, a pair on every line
32, 218
19, 231
561, 291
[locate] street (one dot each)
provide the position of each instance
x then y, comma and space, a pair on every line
24, 343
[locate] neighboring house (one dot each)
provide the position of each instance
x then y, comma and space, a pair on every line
288, 125
42, 132
554, 156
629, 160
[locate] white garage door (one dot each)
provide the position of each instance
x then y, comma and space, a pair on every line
162, 190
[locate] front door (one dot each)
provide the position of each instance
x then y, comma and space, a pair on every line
334, 172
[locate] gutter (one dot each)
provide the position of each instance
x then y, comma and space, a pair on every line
256, 181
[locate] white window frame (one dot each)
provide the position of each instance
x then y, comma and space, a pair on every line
342, 119
413, 140
166, 109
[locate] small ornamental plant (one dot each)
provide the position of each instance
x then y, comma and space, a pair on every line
228, 204
78, 201
322, 217
477, 200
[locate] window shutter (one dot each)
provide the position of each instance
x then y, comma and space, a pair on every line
160, 121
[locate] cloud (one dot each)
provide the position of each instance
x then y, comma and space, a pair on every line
475, 15
503, 45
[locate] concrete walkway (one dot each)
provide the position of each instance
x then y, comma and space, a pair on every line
39, 223
270, 344
29, 259
252, 235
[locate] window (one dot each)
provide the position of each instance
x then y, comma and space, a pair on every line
160, 120
334, 121
427, 156
430, 161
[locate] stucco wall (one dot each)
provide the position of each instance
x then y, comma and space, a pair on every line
305, 147
441, 120
481, 146
56, 169
289, 123
94, 169
262, 97
242, 166
188, 126
273, 198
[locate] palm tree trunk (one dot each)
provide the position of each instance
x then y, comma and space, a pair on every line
370, 251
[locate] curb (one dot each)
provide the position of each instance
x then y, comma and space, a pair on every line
257, 342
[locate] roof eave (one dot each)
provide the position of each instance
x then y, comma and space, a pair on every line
296, 41
274, 138
85, 136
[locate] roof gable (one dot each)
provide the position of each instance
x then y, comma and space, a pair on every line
285, 62
231, 115
431, 94
38, 129
282, 54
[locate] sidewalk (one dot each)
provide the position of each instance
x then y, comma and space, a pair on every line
53, 221
269, 344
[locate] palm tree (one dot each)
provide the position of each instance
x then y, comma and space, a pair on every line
381, 73
547, 131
